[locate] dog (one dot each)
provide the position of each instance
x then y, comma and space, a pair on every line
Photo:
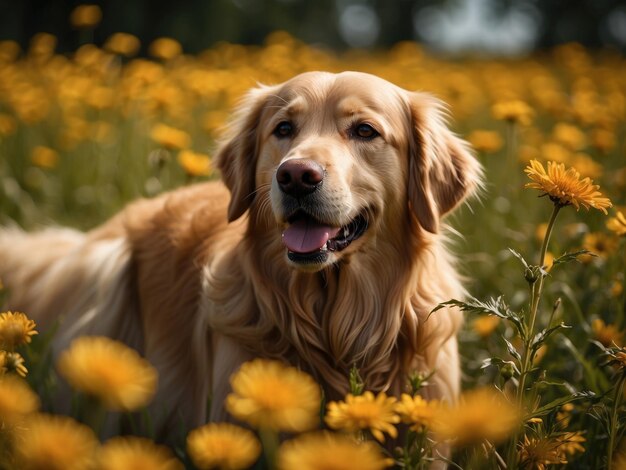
322, 246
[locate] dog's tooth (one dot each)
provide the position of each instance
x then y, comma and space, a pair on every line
346, 232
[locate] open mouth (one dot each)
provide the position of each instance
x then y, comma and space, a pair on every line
309, 241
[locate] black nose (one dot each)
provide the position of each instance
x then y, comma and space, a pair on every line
299, 177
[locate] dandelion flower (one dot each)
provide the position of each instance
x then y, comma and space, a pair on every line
606, 334
326, 451
537, 453
136, 453
224, 446
481, 414
564, 187
571, 442
514, 111
85, 16
16, 399
44, 157
268, 394
617, 224
123, 44
375, 413
165, 48
485, 141
169, 137
416, 411
110, 371
600, 244
194, 164
13, 362
55, 443
485, 325
15, 329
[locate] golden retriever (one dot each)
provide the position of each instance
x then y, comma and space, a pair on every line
327, 253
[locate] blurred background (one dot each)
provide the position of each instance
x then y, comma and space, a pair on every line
455, 26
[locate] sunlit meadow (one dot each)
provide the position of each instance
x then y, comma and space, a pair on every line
544, 363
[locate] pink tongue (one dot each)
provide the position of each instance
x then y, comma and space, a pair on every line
305, 236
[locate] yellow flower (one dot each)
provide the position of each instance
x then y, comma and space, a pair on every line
44, 157
570, 136
485, 141
326, 451
109, 371
485, 325
136, 453
375, 413
416, 411
223, 445
268, 394
481, 414
513, 111
16, 399
13, 362
9, 50
606, 334
122, 44
571, 442
564, 415
565, 187
537, 453
603, 140
85, 16
55, 443
617, 224
8, 126
170, 137
15, 329
599, 244
194, 164
165, 48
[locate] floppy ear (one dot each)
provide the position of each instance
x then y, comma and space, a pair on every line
237, 155
442, 169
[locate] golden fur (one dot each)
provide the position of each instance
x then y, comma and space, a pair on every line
199, 281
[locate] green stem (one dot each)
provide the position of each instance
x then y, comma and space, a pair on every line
535, 296
270, 441
619, 393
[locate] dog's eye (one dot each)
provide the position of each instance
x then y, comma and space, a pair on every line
365, 131
283, 129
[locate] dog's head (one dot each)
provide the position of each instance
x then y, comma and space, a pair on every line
335, 160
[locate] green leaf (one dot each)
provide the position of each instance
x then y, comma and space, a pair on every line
573, 256
559, 402
543, 335
512, 351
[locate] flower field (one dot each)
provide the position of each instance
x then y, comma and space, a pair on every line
543, 251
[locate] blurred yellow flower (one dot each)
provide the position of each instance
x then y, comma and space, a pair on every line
599, 244
607, 334
169, 137
165, 48
565, 187
555, 152
8, 126
326, 451
85, 16
481, 414
603, 139
485, 325
13, 362
417, 412
194, 164
364, 412
15, 329
571, 442
9, 50
617, 224
110, 371
44, 157
123, 44
515, 111
564, 415
136, 453
224, 446
569, 135
269, 394
42, 45
16, 399
55, 443
485, 141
